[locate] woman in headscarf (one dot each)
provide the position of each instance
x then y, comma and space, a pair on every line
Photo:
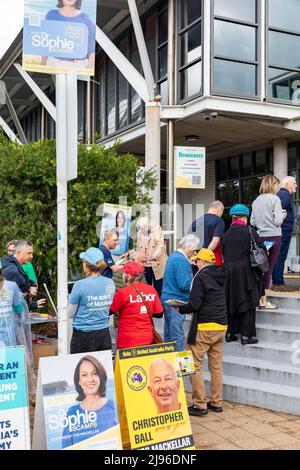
242, 281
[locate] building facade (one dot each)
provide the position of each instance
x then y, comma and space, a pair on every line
230, 83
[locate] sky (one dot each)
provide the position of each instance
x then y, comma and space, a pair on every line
11, 21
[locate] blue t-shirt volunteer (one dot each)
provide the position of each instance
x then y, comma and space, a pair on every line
93, 296
108, 272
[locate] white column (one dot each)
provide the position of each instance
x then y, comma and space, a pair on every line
62, 212
152, 153
280, 158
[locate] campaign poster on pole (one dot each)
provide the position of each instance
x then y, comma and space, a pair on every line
59, 36
190, 167
151, 399
79, 409
117, 218
14, 411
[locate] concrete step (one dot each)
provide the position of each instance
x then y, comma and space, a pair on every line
278, 333
284, 300
261, 370
283, 398
269, 351
287, 316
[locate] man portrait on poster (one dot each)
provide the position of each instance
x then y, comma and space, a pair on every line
164, 385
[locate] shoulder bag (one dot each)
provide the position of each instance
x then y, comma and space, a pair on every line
258, 256
156, 336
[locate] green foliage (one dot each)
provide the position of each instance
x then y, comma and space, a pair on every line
28, 197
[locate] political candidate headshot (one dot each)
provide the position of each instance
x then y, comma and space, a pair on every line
163, 385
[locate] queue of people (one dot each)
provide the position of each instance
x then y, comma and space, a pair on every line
222, 296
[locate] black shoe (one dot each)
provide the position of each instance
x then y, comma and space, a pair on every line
194, 411
216, 409
230, 337
246, 340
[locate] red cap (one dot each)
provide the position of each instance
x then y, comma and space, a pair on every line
132, 268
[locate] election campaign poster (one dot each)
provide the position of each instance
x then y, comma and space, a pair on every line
190, 167
76, 403
14, 413
117, 218
151, 399
59, 36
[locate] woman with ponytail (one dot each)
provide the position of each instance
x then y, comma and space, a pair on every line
89, 305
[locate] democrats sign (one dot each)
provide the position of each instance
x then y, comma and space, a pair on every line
59, 38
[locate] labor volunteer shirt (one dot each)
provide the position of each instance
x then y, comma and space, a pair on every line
134, 325
93, 296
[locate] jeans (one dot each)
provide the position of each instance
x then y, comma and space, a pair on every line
173, 329
277, 276
273, 256
89, 341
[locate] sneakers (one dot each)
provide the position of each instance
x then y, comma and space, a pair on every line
194, 411
216, 409
283, 288
246, 340
268, 305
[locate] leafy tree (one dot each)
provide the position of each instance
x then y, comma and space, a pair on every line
28, 197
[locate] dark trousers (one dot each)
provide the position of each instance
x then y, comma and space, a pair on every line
89, 341
273, 256
243, 323
277, 276
156, 283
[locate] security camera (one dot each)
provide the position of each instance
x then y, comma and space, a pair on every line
206, 116
213, 115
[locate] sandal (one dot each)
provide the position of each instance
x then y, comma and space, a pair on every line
269, 306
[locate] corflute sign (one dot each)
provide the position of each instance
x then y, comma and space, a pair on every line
59, 37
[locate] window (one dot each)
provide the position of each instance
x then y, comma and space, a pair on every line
238, 178
283, 47
235, 62
190, 48
162, 55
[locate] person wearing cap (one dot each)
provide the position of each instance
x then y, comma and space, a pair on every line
242, 282
135, 304
89, 305
207, 303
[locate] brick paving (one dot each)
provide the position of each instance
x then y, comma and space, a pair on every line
242, 427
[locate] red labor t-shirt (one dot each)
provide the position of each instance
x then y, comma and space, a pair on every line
134, 325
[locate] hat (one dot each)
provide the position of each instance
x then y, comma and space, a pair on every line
239, 209
205, 255
92, 256
133, 269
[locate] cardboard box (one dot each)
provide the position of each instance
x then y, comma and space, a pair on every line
43, 350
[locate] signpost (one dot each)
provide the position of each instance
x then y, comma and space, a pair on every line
189, 167
61, 41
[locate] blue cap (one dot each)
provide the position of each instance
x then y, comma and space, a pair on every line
92, 256
239, 209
